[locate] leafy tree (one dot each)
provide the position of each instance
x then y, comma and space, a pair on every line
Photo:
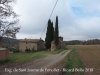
56, 35
8, 28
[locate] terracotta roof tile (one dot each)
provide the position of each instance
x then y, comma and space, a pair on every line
30, 40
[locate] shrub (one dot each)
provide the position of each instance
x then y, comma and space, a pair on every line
15, 50
32, 49
27, 50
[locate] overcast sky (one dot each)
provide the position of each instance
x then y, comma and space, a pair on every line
78, 19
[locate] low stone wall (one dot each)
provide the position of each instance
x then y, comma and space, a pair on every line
4, 54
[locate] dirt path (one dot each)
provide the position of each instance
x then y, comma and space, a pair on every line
38, 66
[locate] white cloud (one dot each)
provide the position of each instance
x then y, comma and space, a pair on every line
35, 14
89, 26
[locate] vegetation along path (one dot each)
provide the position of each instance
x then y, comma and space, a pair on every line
39, 66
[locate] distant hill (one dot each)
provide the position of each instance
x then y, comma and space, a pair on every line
87, 42
9, 42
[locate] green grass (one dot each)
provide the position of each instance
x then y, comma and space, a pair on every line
20, 58
63, 52
72, 60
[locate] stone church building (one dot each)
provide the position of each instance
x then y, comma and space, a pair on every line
61, 44
37, 44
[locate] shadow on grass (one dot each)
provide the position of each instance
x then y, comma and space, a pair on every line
5, 62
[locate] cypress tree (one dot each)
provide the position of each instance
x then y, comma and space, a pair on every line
56, 37
48, 35
52, 32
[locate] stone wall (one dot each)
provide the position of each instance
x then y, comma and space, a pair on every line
40, 45
24, 45
4, 54
53, 47
36, 46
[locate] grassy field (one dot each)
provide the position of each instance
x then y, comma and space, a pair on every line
72, 61
90, 56
20, 58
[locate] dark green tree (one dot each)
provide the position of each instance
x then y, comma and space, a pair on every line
56, 34
52, 32
48, 35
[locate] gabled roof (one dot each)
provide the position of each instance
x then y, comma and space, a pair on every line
31, 40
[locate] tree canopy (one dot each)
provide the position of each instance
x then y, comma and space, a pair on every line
8, 19
49, 34
52, 34
56, 34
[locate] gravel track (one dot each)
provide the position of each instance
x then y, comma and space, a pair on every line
38, 66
